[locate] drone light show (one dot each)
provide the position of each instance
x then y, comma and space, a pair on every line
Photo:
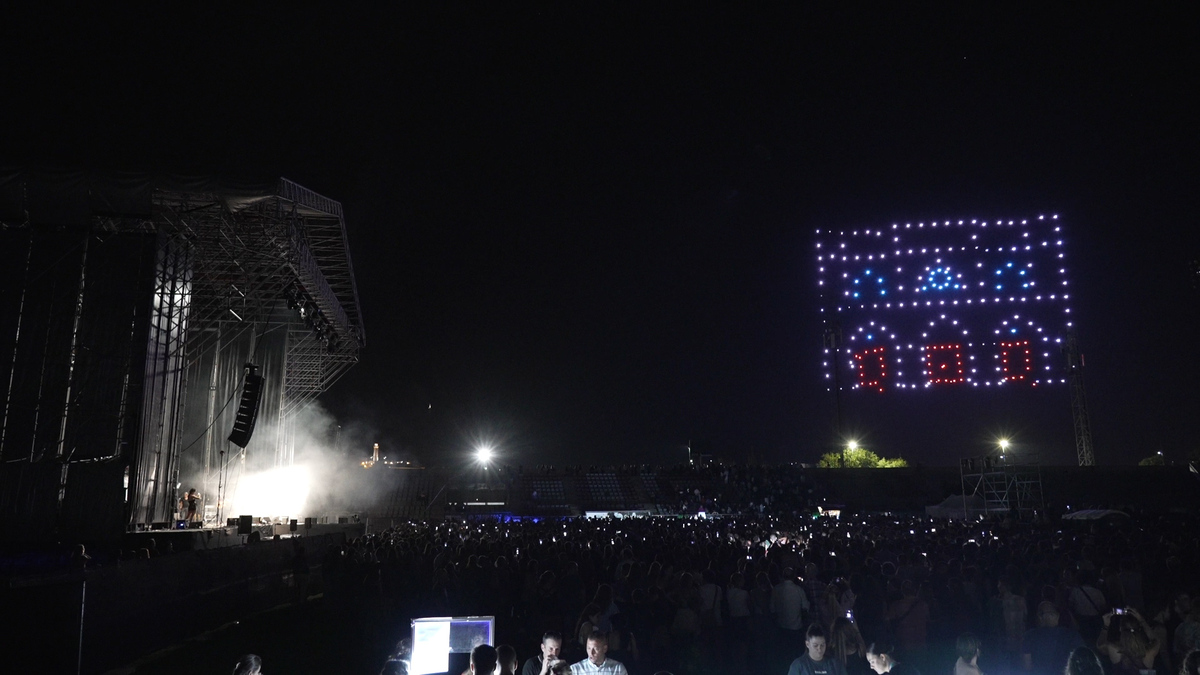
945, 304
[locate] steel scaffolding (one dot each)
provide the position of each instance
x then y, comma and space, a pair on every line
190, 280
260, 263
1002, 486
1079, 408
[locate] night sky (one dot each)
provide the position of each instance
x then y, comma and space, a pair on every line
588, 234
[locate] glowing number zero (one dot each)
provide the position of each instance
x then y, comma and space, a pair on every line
871, 367
944, 364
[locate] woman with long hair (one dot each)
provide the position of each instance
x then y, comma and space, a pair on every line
1127, 642
847, 646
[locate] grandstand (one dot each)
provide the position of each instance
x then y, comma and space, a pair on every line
726, 489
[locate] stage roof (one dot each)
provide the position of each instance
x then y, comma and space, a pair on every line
32, 197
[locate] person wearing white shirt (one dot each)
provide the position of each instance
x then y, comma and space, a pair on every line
597, 661
737, 598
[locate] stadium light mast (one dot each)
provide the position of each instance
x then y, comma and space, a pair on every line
850, 445
833, 342
1079, 409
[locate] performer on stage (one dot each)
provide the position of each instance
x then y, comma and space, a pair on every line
193, 503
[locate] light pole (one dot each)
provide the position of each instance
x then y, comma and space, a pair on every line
483, 456
1003, 443
851, 445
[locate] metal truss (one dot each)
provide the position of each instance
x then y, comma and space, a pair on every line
157, 459
1002, 486
257, 262
249, 249
261, 275
1079, 407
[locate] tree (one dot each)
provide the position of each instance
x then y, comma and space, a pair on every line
1152, 460
860, 458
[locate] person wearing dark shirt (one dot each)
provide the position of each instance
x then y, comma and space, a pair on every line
846, 645
1045, 649
507, 658
813, 662
542, 663
483, 660
879, 655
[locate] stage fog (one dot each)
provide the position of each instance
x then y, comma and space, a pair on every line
326, 478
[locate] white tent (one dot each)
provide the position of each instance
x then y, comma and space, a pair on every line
955, 506
1095, 514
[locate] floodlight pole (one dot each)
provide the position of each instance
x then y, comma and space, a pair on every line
833, 341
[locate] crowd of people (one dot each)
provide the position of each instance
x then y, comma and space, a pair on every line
811, 596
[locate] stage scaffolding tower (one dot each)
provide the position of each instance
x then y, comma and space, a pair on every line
187, 281
1079, 408
1002, 486
273, 273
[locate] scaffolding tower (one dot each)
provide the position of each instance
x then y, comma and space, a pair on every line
1079, 408
1003, 487
137, 301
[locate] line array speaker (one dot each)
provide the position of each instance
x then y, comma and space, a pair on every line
247, 412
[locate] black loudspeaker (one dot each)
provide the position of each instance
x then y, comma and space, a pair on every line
247, 412
231, 522
308, 523
292, 525
195, 525
343, 520
245, 524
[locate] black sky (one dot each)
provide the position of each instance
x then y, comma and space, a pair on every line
587, 232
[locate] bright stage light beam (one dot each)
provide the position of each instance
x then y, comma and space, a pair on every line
484, 454
275, 493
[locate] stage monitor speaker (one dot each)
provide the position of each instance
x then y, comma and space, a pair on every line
195, 525
247, 412
245, 524
292, 525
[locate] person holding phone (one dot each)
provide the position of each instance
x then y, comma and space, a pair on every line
1128, 642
